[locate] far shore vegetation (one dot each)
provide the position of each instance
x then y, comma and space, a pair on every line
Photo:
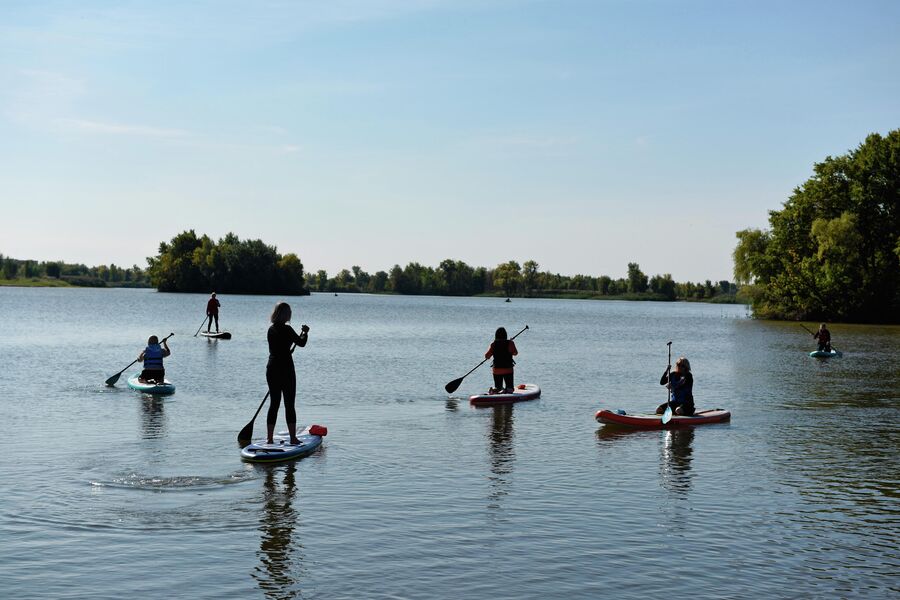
191, 263
32, 273
832, 253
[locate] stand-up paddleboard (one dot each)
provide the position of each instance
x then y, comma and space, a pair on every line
523, 391
216, 336
160, 389
620, 417
260, 451
821, 354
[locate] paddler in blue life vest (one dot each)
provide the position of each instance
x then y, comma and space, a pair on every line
681, 385
503, 350
824, 338
212, 311
152, 357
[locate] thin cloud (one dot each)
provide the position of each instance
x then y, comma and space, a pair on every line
526, 141
102, 128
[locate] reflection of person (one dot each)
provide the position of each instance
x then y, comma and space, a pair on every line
212, 311
824, 337
503, 350
280, 374
681, 384
278, 575
152, 357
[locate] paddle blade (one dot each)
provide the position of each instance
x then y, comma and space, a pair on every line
453, 385
667, 416
112, 380
246, 434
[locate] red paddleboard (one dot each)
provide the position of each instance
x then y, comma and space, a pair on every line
701, 417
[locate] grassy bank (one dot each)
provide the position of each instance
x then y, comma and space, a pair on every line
35, 282
67, 281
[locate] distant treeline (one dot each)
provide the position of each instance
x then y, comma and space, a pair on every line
25, 271
833, 251
230, 266
456, 278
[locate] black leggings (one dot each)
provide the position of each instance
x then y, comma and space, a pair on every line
282, 381
211, 317
498, 381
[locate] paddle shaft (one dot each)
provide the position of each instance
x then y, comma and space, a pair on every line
451, 387
667, 415
804, 327
201, 325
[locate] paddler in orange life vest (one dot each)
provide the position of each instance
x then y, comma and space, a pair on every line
152, 357
503, 350
212, 311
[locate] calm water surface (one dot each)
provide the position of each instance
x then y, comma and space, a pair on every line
111, 494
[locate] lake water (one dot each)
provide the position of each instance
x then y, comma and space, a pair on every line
111, 494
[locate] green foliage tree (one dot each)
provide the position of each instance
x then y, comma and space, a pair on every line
191, 264
637, 281
831, 251
508, 277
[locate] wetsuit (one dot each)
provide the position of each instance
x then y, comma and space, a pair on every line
153, 364
212, 311
280, 374
502, 367
682, 391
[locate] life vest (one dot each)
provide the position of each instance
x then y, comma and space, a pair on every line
153, 357
502, 358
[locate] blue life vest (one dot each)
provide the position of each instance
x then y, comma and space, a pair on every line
153, 357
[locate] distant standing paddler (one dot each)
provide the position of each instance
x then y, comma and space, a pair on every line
152, 357
824, 338
212, 311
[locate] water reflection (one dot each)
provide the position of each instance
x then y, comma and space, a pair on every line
281, 558
675, 466
153, 417
501, 453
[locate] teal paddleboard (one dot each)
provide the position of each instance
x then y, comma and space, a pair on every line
159, 389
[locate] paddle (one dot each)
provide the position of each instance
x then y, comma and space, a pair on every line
246, 434
453, 385
201, 325
667, 416
112, 380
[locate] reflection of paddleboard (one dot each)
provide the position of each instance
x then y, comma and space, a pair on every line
619, 417
260, 451
523, 391
216, 336
161, 389
820, 354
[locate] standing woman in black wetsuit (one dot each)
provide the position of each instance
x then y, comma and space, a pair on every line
280, 373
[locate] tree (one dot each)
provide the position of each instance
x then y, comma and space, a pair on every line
507, 276
637, 281
831, 251
530, 276
53, 270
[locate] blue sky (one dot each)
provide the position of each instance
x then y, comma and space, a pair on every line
583, 135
